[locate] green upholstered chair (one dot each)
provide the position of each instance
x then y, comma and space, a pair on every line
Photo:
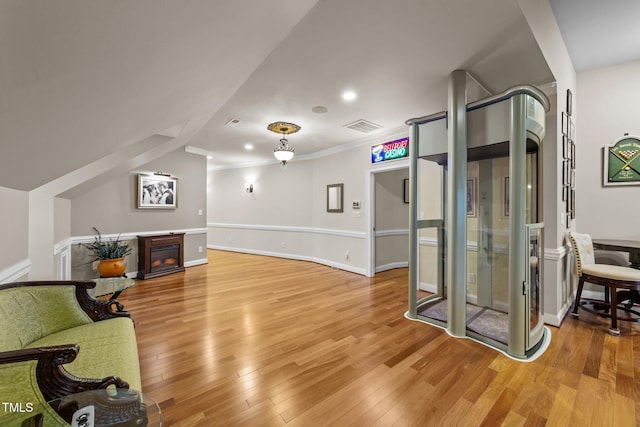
56, 340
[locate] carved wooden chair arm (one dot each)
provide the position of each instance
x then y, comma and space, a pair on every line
96, 309
53, 380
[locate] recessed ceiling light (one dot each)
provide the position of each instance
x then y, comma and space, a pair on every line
319, 109
209, 157
248, 146
349, 95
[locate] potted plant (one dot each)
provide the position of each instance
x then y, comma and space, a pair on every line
110, 254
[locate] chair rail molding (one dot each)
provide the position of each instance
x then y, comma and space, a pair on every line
291, 229
133, 235
392, 232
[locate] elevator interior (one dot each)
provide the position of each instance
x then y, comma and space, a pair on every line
476, 265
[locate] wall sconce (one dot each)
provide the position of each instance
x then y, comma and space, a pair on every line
248, 187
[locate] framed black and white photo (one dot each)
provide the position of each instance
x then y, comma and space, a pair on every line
572, 130
565, 172
565, 124
157, 191
573, 203
569, 102
565, 147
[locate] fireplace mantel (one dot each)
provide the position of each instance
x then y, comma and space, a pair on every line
160, 254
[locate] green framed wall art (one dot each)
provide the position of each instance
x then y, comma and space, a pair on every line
622, 162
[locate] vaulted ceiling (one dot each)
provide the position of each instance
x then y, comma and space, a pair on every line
80, 80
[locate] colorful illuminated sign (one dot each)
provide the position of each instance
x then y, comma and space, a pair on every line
390, 150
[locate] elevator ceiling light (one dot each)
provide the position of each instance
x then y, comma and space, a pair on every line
349, 95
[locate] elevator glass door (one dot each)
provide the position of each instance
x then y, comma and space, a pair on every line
487, 248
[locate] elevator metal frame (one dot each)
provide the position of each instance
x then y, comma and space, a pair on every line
527, 106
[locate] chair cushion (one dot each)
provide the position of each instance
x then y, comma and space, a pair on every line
614, 272
107, 348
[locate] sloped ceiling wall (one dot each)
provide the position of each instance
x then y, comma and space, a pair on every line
82, 79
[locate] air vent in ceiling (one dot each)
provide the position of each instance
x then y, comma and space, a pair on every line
232, 123
363, 126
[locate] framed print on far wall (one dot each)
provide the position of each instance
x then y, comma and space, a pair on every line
157, 191
406, 190
471, 197
505, 201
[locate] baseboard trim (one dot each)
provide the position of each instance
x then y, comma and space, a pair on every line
317, 260
391, 266
196, 262
555, 319
16, 271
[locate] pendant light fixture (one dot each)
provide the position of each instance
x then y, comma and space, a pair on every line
283, 151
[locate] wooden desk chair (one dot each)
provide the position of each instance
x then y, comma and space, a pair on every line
612, 277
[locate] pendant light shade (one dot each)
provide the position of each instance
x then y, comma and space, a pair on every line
284, 152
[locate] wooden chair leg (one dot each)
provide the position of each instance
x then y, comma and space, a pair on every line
574, 313
614, 312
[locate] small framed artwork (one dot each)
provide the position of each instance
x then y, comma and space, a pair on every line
565, 124
471, 197
157, 191
565, 191
573, 203
565, 172
572, 130
405, 191
565, 147
572, 151
505, 197
569, 102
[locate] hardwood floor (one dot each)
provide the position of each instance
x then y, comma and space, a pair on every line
253, 340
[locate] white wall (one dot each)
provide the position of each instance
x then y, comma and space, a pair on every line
287, 213
14, 228
609, 108
558, 289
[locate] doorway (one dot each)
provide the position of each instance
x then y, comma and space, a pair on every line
388, 230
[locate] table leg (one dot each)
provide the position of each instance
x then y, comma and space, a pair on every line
614, 330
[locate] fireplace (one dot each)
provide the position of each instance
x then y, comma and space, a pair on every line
160, 255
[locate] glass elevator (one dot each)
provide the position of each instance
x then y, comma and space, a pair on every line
476, 229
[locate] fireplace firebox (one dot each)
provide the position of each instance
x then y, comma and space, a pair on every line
160, 255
